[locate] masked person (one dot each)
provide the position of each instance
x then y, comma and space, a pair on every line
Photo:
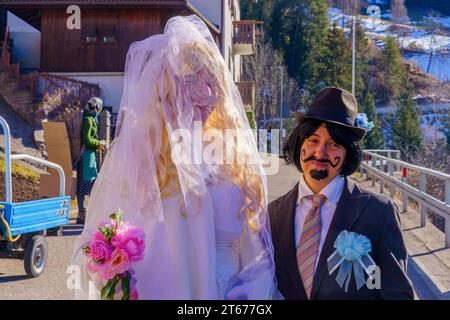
199, 195
328, 234
87, 165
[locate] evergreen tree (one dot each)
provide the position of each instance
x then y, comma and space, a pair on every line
261, 11
300, 29
275, 27
447, 130
374, 138
406, 133
363, 64
336, 67
393, 70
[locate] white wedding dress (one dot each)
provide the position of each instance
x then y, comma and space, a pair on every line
197, 247
180, 273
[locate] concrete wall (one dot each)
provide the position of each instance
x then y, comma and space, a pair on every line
26, 42
111, 84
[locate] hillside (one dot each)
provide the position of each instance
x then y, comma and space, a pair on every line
25, 183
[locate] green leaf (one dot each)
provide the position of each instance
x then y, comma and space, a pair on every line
105, 231
105, 290
109, 289
117, 216
126, 286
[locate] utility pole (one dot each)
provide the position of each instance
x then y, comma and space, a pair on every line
281, 106
353, 51
353, 55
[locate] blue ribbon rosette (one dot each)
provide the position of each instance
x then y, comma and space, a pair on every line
362, 121
352, 253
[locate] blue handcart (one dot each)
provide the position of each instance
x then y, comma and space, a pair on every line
24, 225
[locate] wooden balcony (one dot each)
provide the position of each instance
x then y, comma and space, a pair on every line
244, 37
248, 93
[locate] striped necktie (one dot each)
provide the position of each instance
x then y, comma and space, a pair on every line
308, 246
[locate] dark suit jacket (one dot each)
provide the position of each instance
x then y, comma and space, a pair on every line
363, 212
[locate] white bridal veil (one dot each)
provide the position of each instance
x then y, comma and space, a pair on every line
184, 166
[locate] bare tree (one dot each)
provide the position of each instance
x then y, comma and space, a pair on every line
435, 27
350, 7
263, 68
399, 12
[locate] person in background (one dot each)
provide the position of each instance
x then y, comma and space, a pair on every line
90, 143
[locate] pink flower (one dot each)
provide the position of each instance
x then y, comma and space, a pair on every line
92, 267
99, 251
131, 239
117, 264
133, 290
98, 236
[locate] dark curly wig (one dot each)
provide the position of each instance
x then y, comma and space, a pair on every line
340, 134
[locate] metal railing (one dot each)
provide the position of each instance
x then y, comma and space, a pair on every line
9, 157
386, 152
383, 168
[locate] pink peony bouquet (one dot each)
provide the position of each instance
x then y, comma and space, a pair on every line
111, 251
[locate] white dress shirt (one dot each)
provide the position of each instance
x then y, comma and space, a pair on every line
333, 192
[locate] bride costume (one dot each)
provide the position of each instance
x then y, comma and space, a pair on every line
204, 215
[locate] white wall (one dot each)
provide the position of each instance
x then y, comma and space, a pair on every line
210, 9
233, 61
26, 42
237, 58
111, 84
16, 24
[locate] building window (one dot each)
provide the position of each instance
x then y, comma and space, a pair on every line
100, 28
89, 32
107, 34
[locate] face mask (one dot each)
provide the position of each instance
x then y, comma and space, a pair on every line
199, 90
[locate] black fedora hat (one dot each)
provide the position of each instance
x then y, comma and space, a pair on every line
337, 106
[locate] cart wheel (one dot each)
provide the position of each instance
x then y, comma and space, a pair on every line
35, 256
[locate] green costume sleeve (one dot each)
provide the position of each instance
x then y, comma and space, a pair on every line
89, 134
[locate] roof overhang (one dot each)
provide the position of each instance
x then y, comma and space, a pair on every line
40, 4
84, 3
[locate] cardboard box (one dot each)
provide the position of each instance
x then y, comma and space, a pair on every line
58, 150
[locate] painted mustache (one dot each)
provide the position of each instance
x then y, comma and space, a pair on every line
313, 158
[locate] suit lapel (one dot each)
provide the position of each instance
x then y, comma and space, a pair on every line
348, 209
285, 217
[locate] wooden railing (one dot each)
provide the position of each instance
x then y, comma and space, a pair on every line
24, 82
12, 70
247, 91
244, 32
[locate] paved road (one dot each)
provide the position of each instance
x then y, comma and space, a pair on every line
52, 284
14, 283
